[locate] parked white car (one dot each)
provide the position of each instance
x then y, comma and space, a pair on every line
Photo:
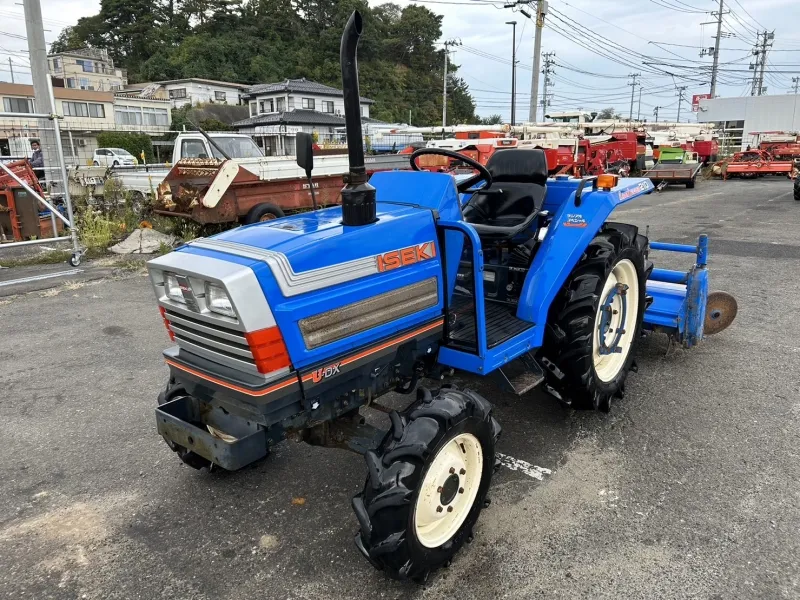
113, 157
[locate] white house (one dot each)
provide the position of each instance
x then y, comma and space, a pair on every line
193, 91
279, 110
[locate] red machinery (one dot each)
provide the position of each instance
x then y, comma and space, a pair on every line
707, 149
19, 209
755, 163
780, 145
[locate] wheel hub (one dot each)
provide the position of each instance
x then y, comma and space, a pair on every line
612, 318
449, 489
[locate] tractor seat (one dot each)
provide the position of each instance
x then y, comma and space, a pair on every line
519, 178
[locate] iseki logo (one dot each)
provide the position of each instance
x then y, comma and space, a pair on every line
325, 372
406, 256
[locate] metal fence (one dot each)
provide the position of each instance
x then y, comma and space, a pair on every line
32, 164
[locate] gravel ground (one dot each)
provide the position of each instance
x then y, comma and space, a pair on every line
688, 489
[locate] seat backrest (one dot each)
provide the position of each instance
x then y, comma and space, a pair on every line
520, 165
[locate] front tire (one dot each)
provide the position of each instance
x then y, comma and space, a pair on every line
596, 320
427, 483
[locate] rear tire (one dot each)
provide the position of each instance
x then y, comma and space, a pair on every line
263, 212
587, 366
427, 483
690, 185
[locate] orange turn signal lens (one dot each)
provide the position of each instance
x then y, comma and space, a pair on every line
268, 350
607, 181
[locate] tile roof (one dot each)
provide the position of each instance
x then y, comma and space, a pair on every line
298, 85
293, 117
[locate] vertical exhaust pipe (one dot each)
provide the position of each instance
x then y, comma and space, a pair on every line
358, 196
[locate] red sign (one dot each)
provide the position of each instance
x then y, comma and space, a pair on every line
696, 101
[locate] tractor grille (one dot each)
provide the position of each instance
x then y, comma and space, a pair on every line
215, 342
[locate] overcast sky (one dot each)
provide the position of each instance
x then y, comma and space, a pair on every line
485, 54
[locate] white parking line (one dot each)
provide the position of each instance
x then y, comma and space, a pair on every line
40, 277
515, 464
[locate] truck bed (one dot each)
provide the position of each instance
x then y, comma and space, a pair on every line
673, 173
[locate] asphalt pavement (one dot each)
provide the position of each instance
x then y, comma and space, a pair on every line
690, 488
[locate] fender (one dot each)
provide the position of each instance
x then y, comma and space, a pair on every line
571, 230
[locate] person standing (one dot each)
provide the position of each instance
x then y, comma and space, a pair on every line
37, 160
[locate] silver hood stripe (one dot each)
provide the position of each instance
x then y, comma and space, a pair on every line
291, 283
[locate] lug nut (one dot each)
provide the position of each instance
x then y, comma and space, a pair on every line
462, 472
460, 490
449, 509
452, 470
439, 490
439, 509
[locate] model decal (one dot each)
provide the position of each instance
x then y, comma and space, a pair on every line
575, 221
324, 372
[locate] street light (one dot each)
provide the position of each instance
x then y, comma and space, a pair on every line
513, 69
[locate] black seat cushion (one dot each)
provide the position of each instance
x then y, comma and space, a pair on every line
518, 189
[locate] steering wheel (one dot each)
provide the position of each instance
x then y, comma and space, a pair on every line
466, 185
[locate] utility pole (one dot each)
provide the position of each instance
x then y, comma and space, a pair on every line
513, 69
766, 43
681, 91
715, 67
754, 66
655, 112
796, 82
541, 13
639, 110
547, 71
633, 90
11, 68
444, 83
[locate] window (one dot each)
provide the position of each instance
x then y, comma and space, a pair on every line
193, 149
327, 106
154, 116
97, 111
291, 103
280, 104
265, 106
86, 65
219, 96
18, 105
308, 103
75, 109
72, 83
177, 94
253, 109
83, 83
128, 115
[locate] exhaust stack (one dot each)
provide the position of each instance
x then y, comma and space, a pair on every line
358, 196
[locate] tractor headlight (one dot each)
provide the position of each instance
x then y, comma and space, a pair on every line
217, 300
173, 288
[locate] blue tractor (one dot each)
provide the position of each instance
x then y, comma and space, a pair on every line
289, 328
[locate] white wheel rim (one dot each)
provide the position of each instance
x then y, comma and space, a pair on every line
622, 281
448, 491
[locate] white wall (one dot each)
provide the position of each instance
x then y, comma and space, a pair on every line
202, 93
759, 113
338, 102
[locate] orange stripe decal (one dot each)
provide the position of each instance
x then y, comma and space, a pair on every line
231, 386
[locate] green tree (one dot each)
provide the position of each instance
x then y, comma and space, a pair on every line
492, 120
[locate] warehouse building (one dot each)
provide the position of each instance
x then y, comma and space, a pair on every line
740, 120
